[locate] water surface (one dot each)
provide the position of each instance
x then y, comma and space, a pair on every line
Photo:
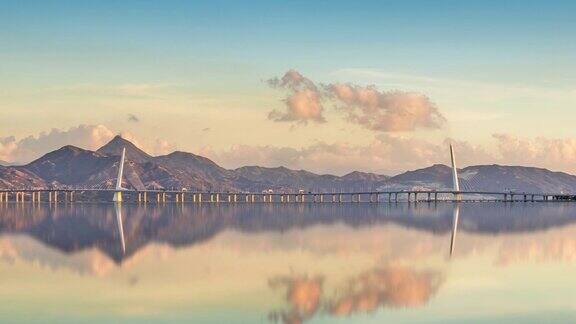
258, 263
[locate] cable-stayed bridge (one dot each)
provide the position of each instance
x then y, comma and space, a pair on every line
461, 191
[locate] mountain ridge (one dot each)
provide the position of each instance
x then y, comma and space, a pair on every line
72, 166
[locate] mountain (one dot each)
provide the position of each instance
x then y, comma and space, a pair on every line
115, 146
437, 176
198, 172
71, 166
11, 177
283, 179
485, 178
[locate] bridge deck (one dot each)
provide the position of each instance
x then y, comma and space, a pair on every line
36, 194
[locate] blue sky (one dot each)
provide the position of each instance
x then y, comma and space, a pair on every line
479, 40
489, 66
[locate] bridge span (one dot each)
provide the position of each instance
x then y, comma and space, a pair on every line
120, 194
181, 196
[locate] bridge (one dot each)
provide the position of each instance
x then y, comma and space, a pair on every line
142, 195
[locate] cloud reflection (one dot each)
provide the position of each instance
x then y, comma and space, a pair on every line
302, 294
392, 286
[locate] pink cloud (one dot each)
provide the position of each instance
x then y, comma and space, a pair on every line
386, 111
303, 102
376, 110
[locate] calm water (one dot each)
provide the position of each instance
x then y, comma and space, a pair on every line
362, 263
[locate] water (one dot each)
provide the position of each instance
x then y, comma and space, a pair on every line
258, 263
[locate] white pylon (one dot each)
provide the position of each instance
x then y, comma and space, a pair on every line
456, 185
118, 194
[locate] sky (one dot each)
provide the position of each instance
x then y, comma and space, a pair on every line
327, 86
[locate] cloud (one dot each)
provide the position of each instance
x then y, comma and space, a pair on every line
387, 154
391, 154
89, 137
133, 118
302, 106
303, 102
85, 136
553, 153
390, 111
386, 111
7, 146
292, 80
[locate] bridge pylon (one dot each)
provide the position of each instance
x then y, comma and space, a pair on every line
118, 193
455, 184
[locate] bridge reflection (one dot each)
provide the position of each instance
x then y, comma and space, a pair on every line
121, 231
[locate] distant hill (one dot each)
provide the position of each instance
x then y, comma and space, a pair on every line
485, 178
71, 166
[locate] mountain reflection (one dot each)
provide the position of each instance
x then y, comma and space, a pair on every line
76, 227
290, 263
